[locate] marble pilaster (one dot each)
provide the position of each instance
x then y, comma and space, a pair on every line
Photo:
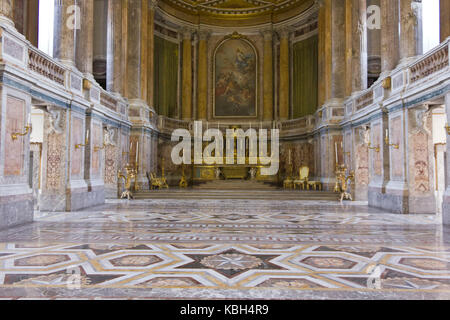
55, 157
268, 76
321, 52
337, 76
420, 161
65, 26
16, 198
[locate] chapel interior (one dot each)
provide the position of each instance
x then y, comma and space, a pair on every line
92, 90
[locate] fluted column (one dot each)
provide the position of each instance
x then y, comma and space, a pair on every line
64, 32
85, 37
356, 46
152, 4
268, 75
410, 29
284, 74
389, 35
114, 57
202, 92
6, 11
445, 21
187, 76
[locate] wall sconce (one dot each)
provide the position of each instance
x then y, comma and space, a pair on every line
386, 140
96, 149
86, 142
377, 149
447, 128
15, 135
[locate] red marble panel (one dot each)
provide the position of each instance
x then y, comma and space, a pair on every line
14, 150
77, 138
97, 141
397, 158
421, 169
376, 142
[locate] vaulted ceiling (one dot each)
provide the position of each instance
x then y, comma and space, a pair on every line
228, 12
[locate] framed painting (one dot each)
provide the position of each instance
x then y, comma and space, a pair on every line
235, 78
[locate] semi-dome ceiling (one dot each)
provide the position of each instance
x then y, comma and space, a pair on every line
227, 12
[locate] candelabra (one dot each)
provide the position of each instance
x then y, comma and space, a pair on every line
131, 173
342, 184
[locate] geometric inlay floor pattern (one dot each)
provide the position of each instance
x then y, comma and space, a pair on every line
226, 249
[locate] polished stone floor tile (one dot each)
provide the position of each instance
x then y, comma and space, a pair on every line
243, 249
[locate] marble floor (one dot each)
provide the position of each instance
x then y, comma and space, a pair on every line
221, 249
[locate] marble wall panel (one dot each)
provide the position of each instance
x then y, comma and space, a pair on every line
77, 138
396, 154
362, 165
14, 150
376, 142
97, 141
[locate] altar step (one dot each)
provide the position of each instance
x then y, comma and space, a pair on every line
234, 185
199, 194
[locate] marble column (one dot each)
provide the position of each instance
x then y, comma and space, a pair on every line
284, 74
85, 38
100, 41
337, 49
152, 4
446, 200
144, 47
65, 26
32, 25
202, 89
445, 21
6, 12
268, 76
114, 76
187, 76
373, 41
133, 83
389, 35
321, 58
410, 30
356, 46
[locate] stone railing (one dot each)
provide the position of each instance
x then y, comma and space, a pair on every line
44, 66
364, 100
167, 125
297, 126
432, 62
108, 101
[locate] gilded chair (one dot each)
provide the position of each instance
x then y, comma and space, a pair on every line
303, 174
